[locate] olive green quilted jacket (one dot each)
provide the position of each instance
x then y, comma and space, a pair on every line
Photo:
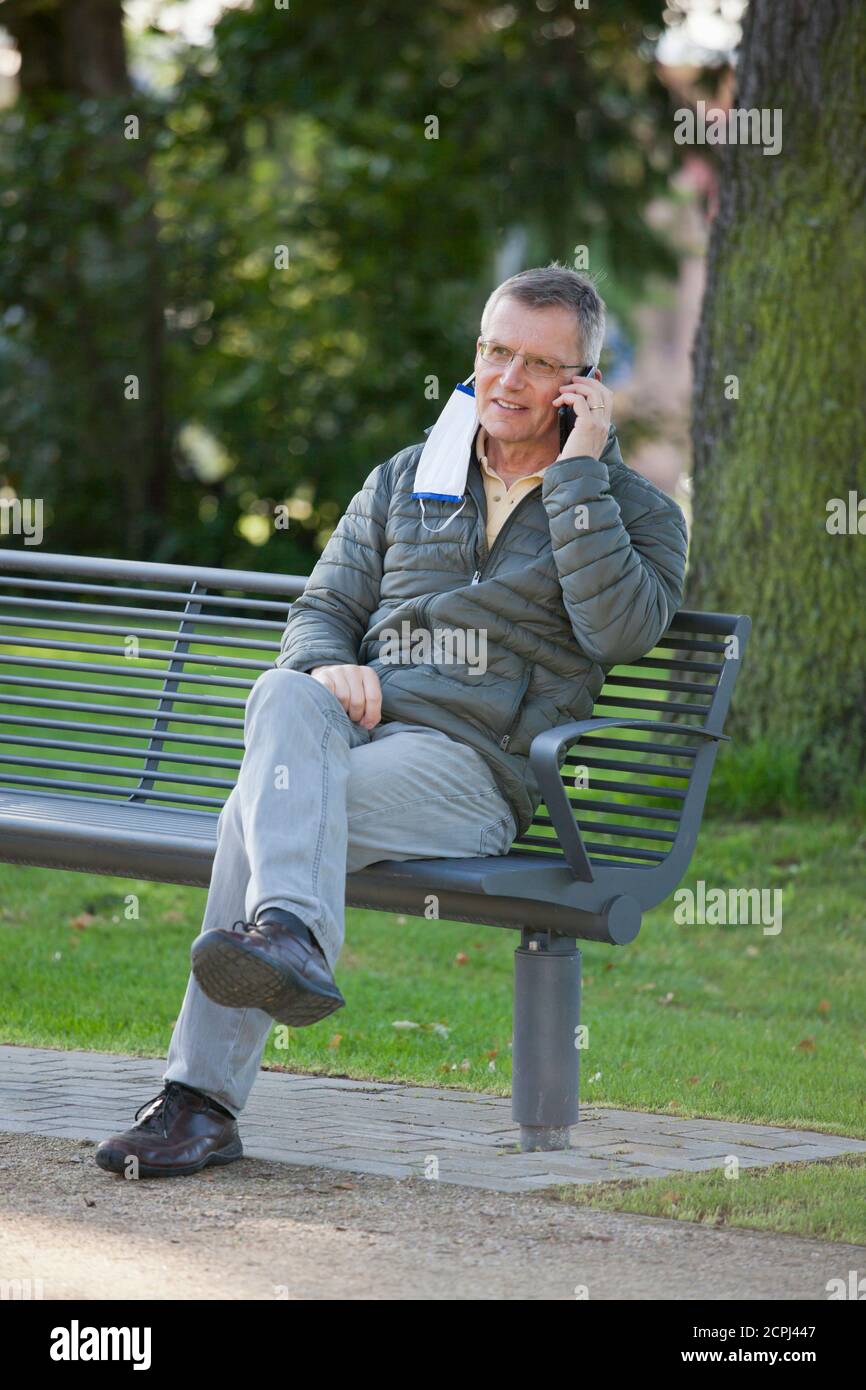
586, 573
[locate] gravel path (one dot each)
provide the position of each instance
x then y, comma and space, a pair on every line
265, 1230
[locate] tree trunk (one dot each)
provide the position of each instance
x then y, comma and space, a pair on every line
74, 49
785, 314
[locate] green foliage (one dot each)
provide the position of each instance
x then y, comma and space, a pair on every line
258, 384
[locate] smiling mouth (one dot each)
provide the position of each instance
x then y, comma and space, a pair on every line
509, 405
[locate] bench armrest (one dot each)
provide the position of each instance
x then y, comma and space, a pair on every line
544, 761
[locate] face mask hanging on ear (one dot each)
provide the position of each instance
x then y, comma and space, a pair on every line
444, 462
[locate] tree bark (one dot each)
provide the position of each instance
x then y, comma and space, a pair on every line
785, 313
74, 49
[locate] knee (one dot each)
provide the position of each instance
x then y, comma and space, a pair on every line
287, 695
277, 683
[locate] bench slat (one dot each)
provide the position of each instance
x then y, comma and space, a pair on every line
91, 688
637, 769
137, 673
180, 596
112, 749
623, 808
117, 730
636, 745
109, 630
106, 789
117, 610
79, 706
666, 707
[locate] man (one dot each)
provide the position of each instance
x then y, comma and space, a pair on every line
564, 560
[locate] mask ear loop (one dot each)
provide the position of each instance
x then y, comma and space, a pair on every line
434, 530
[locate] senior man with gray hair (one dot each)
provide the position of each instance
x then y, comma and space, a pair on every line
564, 559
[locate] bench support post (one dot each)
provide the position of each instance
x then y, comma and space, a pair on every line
545, 1056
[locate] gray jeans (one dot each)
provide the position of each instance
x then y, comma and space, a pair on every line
318, 796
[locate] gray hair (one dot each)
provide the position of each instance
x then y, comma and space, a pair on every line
557, 285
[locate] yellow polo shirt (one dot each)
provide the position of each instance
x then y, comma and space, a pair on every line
501, 500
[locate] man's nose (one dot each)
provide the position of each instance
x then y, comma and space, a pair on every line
513, 374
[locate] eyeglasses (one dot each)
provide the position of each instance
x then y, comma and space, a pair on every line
498, 355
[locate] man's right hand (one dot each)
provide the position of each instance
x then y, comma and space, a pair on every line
358, 690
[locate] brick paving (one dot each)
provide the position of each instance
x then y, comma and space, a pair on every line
394, 1130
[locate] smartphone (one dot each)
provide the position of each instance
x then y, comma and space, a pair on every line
567, 417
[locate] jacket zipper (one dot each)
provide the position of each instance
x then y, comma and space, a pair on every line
503, 528
506, 737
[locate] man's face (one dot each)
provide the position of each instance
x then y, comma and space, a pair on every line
550, 333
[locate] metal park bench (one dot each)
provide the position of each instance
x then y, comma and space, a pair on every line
122, 692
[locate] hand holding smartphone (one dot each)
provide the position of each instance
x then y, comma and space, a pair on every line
567, 417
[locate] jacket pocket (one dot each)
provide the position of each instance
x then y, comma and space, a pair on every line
507, 732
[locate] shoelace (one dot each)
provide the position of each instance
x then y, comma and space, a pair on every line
163, 1101
252, 926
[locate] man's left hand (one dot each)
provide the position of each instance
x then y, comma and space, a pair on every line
592, 404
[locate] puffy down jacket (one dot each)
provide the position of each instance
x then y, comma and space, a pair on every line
586, 573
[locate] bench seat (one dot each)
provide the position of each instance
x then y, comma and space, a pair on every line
170, 845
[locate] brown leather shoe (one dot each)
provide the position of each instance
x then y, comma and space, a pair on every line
274, 964
180, 1132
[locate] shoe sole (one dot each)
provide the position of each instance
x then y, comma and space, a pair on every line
232, 975
115, 1160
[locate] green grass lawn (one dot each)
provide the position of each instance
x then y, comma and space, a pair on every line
719, 1021
822, 1200
692, 1020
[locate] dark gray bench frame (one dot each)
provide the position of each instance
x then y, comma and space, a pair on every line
586, 889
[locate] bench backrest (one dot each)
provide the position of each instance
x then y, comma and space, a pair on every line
631, 789
127, 680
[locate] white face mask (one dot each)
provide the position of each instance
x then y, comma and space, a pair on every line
444, 462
